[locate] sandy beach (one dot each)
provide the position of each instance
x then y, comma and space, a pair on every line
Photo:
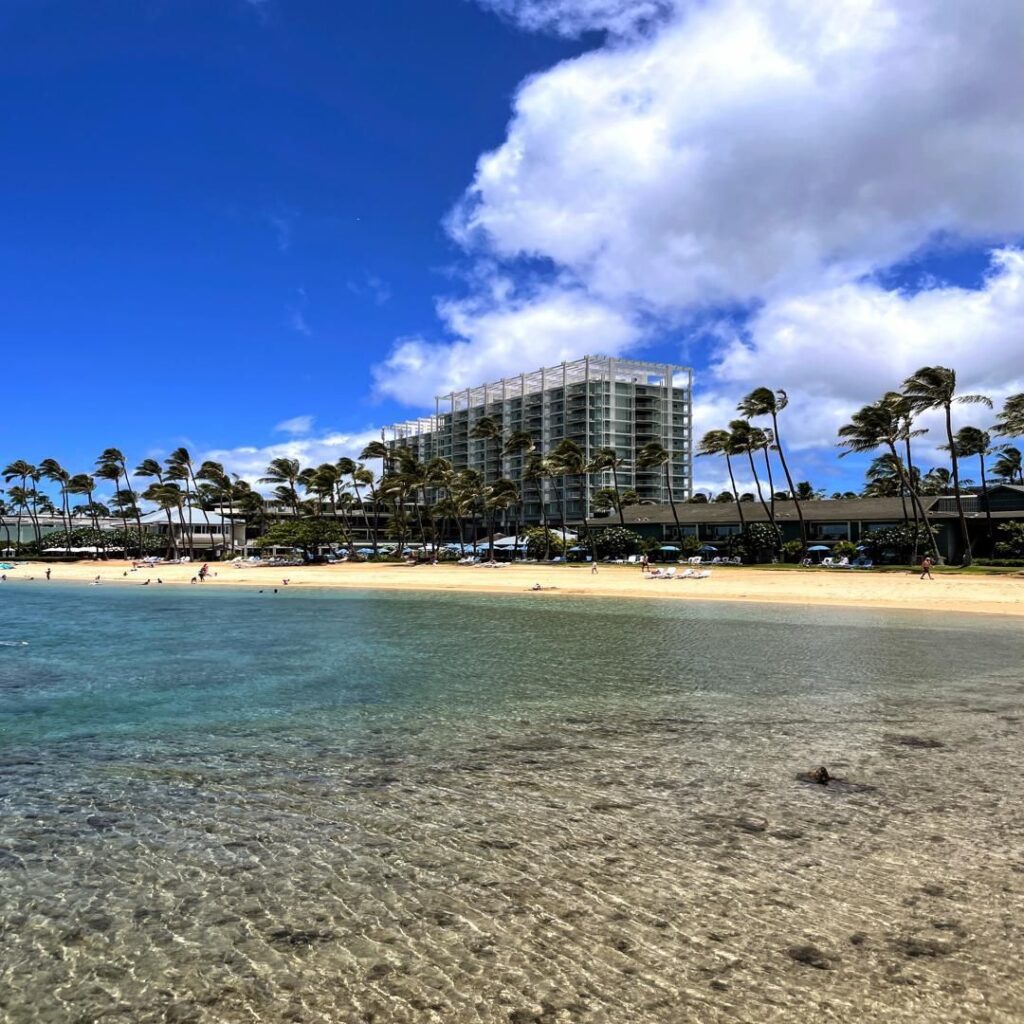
993, 595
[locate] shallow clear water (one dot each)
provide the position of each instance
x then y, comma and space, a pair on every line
232, 806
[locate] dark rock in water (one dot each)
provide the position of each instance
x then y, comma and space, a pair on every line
918, 742
11, 860
181, 1013
719, 986
100, 922
858, 939
916, 947
833, 783
820, 775
789, 834
287, 936
611, 805
101, 822
498, 844
525, 1016
378, 971
812, 956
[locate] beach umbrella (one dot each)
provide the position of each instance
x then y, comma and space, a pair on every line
364, 551
708, 547
819, 547
668, 547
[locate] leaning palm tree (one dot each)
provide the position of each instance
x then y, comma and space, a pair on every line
722, 442
51, 469
568, 460
108, 467
537, 469
765, 402
487, 429
748, 439
519, 443
877, 426
1010, 464
934, 387
498, 497
23, 471
166, 496
975, 441
352, 469
654, 455
1010, 421
285, 473
608, 459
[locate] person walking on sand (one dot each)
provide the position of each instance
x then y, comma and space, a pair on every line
926, 568
643, 563
593, 568
48, 571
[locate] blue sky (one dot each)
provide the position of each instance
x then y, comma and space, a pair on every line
265, 228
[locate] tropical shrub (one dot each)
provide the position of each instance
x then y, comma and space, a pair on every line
612, 541
897, 541
536, 544
307, 534
845, 549
87, 537
758, 542
1010, 540
792, 550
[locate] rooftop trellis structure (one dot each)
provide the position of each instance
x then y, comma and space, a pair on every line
596, 401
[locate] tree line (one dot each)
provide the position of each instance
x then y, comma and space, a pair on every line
427, 501
889, 424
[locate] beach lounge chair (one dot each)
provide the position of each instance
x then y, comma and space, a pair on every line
702, 575
843, 563
827, 563
695, 560
688, 574
669, 574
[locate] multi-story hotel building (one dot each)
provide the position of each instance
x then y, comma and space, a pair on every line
596, 401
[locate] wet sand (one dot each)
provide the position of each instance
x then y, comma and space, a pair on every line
995, 595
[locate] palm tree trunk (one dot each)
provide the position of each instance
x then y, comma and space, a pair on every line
789, 483
988, 511
565, 507
771, 485
918, 506
912, 486
618, 495
965, 559
671, 500
760, 493
735, 493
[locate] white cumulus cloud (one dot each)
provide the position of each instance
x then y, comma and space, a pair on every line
756, 146
295, 425
499, 334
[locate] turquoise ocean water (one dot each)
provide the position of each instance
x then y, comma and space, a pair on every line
234, 806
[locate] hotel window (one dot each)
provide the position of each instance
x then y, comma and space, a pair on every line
833, 531
725, 530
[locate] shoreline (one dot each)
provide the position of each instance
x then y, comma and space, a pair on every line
984, 595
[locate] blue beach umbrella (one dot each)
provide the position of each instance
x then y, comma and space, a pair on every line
819, 547
708, 547
364, 551
668, 547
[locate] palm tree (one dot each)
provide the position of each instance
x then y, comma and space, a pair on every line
1010, 464
219, 490
488, 429
285, 473
112, 465
567, 460
1010, 421
166, 496
876, 426
180, 467
974, 441
749, 439
537, 469
350, 468
608, 459
934, 387
23, 471
83, 483
518, 443
652, 456
721, 442
765, 402
375, 450
5, 511
498, 497
51, 469
21, 499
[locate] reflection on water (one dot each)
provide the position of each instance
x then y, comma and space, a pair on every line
226, 807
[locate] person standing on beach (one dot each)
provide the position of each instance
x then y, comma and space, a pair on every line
48, 571
926, 568
643, 563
